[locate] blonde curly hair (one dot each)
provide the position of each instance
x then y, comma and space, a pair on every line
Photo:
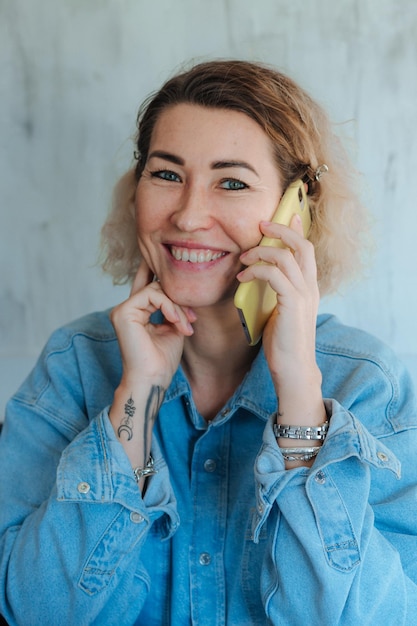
303, 140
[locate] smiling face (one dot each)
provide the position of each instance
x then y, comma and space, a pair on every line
210, 178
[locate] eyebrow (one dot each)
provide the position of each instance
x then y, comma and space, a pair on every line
216, 165
219, 165
167, 156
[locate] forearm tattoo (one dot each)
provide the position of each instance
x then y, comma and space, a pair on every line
126, 425
153, 404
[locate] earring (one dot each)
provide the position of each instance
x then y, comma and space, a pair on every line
322, 169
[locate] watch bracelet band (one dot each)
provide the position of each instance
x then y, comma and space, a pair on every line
148, 470
300, 454
316, 433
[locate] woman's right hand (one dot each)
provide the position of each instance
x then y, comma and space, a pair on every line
150, 356
150, 351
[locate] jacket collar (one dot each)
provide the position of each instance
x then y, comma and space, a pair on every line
256, 393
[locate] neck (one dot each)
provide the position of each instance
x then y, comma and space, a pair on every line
216, 357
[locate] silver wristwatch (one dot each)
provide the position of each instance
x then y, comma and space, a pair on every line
316, 433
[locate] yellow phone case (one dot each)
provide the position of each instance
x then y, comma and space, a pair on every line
256, 300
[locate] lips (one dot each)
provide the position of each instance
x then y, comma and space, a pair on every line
192, 255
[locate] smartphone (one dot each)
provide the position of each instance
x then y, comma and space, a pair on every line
256, 300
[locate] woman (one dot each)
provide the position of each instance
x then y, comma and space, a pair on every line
155, 467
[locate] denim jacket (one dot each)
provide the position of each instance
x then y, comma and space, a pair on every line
224, 533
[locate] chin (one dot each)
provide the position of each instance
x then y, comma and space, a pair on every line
197, 298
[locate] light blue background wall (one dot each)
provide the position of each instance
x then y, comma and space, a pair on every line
72, 75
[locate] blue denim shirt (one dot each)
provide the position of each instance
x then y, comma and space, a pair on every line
224, 534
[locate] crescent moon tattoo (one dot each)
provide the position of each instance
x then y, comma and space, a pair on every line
125, 428
127, 423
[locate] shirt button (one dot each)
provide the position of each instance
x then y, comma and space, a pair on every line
320, 477
136, 518
205, 558
225, 412
83, 487
210, 465
382, 457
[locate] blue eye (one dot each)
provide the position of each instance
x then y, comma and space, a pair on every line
233, 184
166, 175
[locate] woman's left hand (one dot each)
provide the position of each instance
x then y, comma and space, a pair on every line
290, 333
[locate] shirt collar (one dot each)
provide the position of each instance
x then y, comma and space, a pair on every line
256, 393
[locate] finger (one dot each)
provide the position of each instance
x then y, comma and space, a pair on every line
297, 225
185, 312
152, 299
177, 316
291, 236
190, 313
301, 253
143, 277
296, 261
278, 272
293, 239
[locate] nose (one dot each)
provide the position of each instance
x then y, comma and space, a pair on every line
193, 211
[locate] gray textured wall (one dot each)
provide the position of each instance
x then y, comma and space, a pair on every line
72, 75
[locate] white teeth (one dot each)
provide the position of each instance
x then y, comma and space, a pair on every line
195, 256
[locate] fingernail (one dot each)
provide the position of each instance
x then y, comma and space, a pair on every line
191, 314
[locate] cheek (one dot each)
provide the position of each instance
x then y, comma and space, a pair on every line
147, 224
246, 232
143, 226
146, 219
153, 208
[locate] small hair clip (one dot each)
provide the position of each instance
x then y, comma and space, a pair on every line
322, 169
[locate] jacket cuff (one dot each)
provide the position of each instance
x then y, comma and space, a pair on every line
94, 468
346, 438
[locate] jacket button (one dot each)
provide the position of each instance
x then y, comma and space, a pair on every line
83, 487
382, 457
210, 465
205, 558
320, 477
136, 518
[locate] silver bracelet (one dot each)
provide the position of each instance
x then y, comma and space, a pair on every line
300, 454
148, 470
317, 433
